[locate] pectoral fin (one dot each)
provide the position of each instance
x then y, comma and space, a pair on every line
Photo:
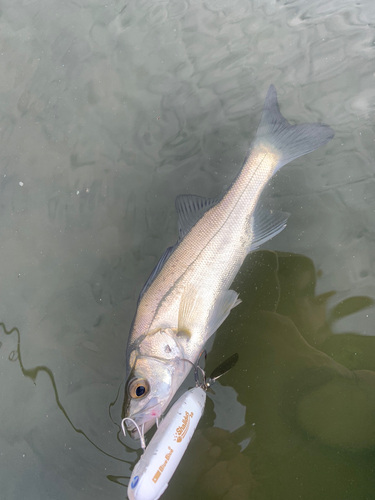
227, 300
192, 310
189, 313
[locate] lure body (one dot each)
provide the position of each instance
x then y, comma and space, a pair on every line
158, 463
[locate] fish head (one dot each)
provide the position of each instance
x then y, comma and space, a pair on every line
148, 391
156, 369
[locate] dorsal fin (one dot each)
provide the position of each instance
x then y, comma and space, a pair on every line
163, 259
190, 208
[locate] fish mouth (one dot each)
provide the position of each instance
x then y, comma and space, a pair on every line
144, 418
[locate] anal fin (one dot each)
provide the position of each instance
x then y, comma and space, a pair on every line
265, 224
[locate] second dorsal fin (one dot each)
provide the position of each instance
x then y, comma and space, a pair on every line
190, 208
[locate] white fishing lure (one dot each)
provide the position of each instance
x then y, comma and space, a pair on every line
159, 461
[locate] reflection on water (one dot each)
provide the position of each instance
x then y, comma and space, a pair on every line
32, 373
308, 428
309, 417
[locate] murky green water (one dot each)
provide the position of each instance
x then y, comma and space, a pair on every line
107, 112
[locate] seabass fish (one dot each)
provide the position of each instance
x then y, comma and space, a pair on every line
188, 296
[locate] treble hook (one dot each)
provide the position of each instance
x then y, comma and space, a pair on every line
141, 431
198, 368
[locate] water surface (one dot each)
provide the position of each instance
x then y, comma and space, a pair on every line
107, 112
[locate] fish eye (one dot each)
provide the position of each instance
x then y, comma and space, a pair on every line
138, 388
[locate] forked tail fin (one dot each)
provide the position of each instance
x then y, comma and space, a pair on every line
291, 141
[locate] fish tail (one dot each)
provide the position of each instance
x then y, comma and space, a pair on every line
290, 141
